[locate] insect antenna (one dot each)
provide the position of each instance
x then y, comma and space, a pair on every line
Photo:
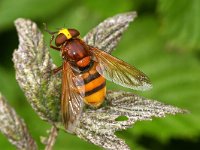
50, 32
47, 30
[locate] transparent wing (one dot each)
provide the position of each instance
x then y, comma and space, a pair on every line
71, 100
120, 72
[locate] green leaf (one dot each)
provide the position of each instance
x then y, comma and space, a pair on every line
175, 79
108, 8
11, 10
7, 79
181, 23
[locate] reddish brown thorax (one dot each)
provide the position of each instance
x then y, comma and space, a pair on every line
72, 48
75, 49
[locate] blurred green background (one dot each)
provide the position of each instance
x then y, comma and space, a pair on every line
163, 42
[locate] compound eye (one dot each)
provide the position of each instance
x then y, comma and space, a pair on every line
60, 39
74, 32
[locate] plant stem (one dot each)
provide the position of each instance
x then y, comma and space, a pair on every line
52, 138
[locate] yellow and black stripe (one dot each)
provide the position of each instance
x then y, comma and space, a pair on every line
93, 87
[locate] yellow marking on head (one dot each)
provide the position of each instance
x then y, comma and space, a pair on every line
65, 32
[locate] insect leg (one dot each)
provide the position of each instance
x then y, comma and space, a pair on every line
55, 71
52, 38
52, 46
55, 48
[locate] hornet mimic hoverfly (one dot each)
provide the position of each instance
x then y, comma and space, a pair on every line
84, 73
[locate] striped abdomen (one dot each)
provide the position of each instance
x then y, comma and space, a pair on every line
92, 86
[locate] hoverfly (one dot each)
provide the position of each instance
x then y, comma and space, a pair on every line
84, 73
